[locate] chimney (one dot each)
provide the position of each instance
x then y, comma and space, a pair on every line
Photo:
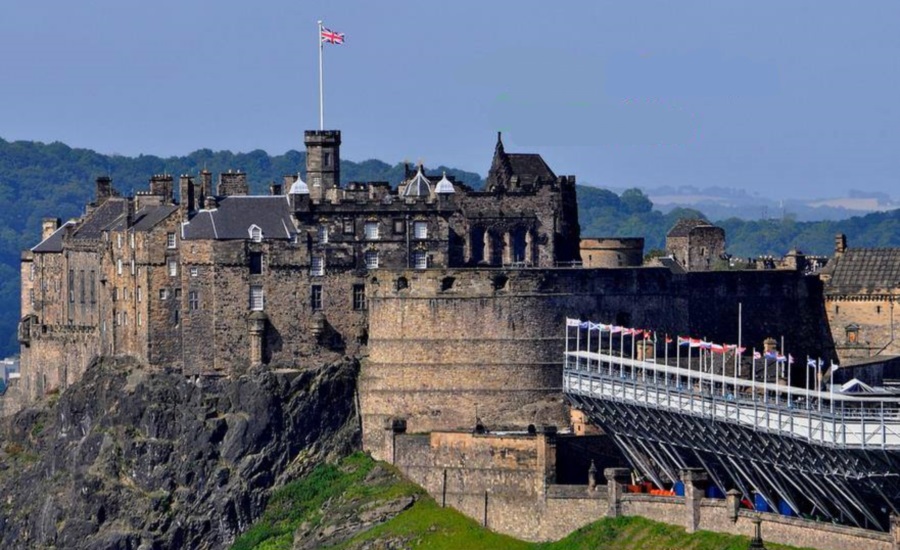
233, 183
205, 186
48, 227
840, 244
210, 203
162, 185
276, 189
186, 194
104, 189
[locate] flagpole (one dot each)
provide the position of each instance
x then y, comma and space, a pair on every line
321, 87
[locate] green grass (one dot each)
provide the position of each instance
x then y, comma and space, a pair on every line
427, 525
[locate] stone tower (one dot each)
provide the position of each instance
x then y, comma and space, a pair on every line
323, 162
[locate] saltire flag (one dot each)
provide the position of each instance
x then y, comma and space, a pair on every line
585, 324
594, 326
572, 322
332, 37
811, 363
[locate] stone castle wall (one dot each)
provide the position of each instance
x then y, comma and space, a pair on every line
449, 346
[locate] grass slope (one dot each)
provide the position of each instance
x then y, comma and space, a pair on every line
304, 505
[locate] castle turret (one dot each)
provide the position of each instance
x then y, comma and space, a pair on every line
323, 162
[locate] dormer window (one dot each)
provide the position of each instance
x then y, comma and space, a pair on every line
255, 233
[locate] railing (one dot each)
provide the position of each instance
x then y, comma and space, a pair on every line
820, 417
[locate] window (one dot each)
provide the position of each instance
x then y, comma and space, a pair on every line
359, 297
164, 294
132, 267
139, 294
420, 230
31, 296
81, 286
119, 267
318, 266
176, 316
93, 287
131, 239
371, 259
372, 231
399, 227
170, 240
193, 300
139, 319
173, 268
420, 259
257, 298
877, 309
348, 226
115, 294
322, 234
255, 263
315, 297
326, 158
72, 286
31, 273
119, 241
317, 181
196, 271
178, 294
255, 233
125, 318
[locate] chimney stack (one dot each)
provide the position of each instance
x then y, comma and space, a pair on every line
48, 227
840, 244
186, 195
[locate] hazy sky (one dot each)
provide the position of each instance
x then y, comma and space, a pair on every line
786, 98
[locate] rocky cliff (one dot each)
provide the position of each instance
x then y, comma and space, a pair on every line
131, 459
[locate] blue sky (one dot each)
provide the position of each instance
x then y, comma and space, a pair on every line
788, 99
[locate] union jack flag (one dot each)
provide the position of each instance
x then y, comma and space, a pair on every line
332, 37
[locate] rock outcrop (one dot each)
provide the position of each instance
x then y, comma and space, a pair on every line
132, 459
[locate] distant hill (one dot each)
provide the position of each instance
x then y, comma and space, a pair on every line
39, 180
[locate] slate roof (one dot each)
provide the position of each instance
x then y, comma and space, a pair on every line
101, 219
146, 219
866, 268
529, 167
684, 227
235, 214
53, 243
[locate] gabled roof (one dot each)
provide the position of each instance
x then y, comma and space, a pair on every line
866, 268
236, 213
53, 243
146, 219
101, 218
529, 167
684, 227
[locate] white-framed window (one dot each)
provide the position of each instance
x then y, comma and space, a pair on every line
255, 233
317, 181
132, 267
257, 298
140, 319
315, 297
164, 294
170, 240
372, 232
420, 230
322, 234
420, 259
371, 259
119, 267
193, 300
139, 294
173, 268
195, 271
317, 267
119, 240
131, 239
